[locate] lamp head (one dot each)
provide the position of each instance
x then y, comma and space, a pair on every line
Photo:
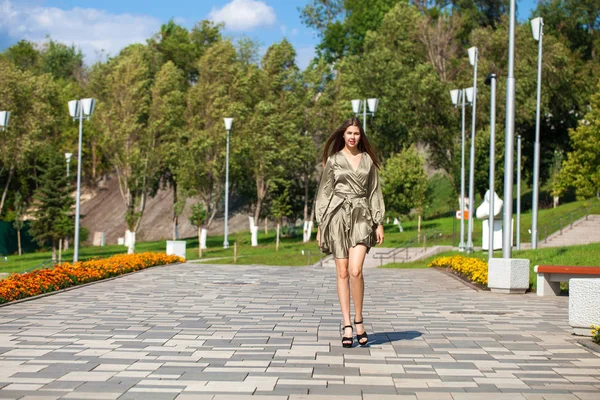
74, 108
372, 103
4, 118
488, 79
469, 93
356, 106
88, 106
536, 27
473, 55
455, 96
68, 156
228, 123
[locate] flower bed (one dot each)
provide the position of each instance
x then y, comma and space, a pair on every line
596, 333
20, 286
473, 269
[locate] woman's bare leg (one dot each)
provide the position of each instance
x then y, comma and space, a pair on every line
343, 290
357, 284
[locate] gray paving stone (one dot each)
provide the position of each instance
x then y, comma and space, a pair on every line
176, 332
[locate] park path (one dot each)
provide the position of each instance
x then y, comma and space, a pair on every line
215, 332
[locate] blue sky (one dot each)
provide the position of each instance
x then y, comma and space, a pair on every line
109, 25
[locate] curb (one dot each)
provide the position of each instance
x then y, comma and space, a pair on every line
466, 283
39, 296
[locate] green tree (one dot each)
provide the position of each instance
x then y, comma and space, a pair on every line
165, 125
220, 92
61, 61
24, 56
20, 209
404, 183
53, 204
581, 169
280, 207
197, 219
124, 121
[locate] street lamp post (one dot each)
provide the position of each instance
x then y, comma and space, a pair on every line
371, 103
458, 95
228, 122
79, 109
537, 27
491, 81
518, 192
509, 138
473, 55
68, 158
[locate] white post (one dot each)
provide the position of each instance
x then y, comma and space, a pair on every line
509, 139
536, 152
78, 195
472, 167
492, 192
461, 245
519, 192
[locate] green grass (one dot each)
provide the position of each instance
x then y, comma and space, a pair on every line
290, 251
583, 255
450, 227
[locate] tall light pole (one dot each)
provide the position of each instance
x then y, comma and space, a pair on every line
4, 118
458, 95
473, 55
519, 192
491, 81
537, 27
228, 122
372, 103
68, 158
509, 138
79, 109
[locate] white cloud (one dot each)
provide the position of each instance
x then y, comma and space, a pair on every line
90, 29
244, 15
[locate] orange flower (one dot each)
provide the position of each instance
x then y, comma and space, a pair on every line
19, 286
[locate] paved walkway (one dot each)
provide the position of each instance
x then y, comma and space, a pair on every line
227, 332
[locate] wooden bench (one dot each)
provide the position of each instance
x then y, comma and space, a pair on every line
549, 277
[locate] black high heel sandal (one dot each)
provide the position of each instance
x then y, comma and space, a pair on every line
347, 342
361, 336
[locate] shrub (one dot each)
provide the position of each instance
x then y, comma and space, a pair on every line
474, 269
61, 276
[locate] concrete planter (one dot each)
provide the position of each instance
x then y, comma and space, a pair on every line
584, 304
508, 275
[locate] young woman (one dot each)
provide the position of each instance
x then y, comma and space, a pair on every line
349, 211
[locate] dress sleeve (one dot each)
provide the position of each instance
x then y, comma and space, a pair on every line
325, 191
375, 196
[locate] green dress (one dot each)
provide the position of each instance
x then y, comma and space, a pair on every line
349, 204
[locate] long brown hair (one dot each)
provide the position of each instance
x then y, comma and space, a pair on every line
336, 142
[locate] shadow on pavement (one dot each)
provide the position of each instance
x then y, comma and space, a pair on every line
389, 337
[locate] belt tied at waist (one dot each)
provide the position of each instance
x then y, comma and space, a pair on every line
348, 205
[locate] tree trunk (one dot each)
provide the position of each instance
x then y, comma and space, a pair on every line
277, 239
199, 246
60, 250
175, 216
419, 229
19, 241
266, 227
54, 251
11, 172
94, 160
306, 198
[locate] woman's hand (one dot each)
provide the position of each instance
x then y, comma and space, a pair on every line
379, 233
319, 236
